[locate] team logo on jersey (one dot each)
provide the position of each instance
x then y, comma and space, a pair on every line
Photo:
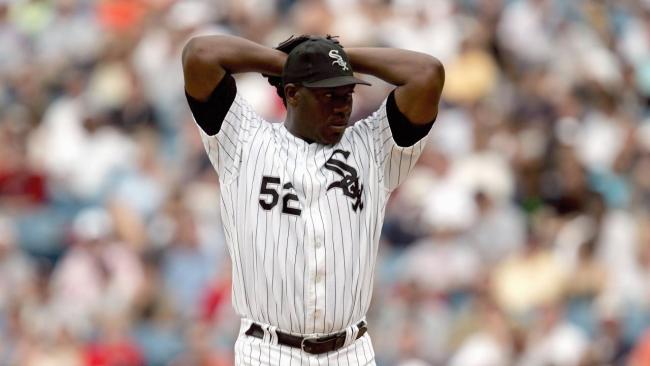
349, 183
338, 59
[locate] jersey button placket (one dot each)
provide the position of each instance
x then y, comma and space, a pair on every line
319, 276
320, 253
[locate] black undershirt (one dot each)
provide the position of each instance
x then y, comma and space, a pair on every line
210, 114
404, 132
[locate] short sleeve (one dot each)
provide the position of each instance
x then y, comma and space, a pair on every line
386, 127
225, 123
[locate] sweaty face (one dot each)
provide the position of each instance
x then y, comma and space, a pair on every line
326, 112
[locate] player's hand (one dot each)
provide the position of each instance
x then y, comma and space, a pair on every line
287, 46
292, 42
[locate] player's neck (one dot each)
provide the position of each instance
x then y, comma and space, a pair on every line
296, 129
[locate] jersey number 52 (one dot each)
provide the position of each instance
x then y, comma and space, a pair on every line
269, 188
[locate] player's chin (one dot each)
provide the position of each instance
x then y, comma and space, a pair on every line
332, 134
333, 137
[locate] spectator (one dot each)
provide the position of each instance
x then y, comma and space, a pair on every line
98, 273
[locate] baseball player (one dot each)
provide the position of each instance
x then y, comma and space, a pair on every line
303, 201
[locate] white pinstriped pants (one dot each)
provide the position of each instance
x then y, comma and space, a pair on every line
252, 351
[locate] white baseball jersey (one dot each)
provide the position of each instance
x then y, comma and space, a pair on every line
302, 221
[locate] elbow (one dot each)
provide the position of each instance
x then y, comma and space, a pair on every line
432, 75
427, 75
438, 69
193, 51
199, 51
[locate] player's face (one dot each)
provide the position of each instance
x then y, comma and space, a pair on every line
328, 112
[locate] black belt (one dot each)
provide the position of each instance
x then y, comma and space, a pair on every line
314, 345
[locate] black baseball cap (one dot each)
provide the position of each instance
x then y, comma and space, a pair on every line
319, 63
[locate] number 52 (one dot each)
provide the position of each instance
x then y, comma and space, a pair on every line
273, 195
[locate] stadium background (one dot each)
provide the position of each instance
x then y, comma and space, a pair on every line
523, 238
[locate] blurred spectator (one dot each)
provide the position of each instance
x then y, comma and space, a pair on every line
187, 268
113, 347
473, 74
499, 230
22, 185
96, 275
609, 345
490, 343
17, 270
525, 23
555, 341
530, 279
121, 16
77, 147
641, 353
138, 194
443, 264
421, 321
31, 17
200, 351
158, 330
41, 333
11, 40
70, 35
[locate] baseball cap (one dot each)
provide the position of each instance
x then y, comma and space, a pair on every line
319, 63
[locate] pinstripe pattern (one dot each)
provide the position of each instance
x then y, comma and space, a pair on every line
310, 273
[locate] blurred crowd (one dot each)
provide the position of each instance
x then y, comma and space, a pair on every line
522, 237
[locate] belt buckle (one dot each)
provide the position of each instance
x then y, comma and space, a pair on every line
337, 341
307, 348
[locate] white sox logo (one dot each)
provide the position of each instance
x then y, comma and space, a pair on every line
338, 59
349, 184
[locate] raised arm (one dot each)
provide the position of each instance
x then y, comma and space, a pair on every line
419, 78
207, 59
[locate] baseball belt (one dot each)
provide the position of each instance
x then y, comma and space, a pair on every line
313, 345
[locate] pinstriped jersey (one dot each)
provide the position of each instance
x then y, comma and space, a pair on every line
302, 220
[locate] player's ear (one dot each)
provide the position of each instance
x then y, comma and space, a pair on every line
291, 94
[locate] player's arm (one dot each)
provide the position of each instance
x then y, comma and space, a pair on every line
419, 78
410, 109
211, 92
207, 59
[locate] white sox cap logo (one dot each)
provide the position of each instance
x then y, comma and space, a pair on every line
338, 59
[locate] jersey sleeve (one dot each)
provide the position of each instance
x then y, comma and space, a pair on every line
225, 122
397, 143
